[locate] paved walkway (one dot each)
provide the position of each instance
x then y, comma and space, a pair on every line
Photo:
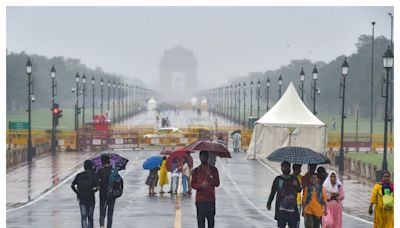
27, 182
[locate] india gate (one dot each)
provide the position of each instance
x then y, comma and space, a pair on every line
178, 74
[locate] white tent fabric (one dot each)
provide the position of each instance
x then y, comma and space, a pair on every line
288, 123
151, 104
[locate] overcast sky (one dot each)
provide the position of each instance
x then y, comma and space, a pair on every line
226, 41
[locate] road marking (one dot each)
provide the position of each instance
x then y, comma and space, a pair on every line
178, 211
59, 185
349, 215
247, 200
51, 189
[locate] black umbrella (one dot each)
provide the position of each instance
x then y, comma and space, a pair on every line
298, 155
236, 131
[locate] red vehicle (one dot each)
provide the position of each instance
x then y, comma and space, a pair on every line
101, 122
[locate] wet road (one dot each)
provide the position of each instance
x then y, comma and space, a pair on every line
241, 197
241, 200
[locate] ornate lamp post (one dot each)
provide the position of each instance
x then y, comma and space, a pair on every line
251, 98
258, 98
113, 113
30, 97
345, 71
77, 78
244, 103
315, 78
302, 78
388, 65
83, 97
108, 96
93, 95
101, 95
53, 128
239, 96
267, 93
280, 85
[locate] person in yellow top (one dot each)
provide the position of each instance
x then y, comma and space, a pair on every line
383, 216
163, 174
314, 203
296, 173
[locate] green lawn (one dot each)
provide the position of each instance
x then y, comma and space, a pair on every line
41, 118
375, 159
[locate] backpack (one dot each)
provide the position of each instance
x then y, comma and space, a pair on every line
115, 185
387, 199
85, 183
287, 193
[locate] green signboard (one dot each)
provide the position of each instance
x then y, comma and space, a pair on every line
17, 125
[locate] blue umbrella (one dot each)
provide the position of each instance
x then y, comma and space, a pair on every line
152, 162
298, 155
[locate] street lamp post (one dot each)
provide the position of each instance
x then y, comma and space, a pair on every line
77, 78
239, 96
53, 128
235, 109
315, 78
113, 113
108, 97
29, 73
231, 106
280, 85
345, 70
251, 98
93, 95
388, 65
244, 103
302, 78
372, 84
258, 98
119, 101
83, 97
101, 95
267, 93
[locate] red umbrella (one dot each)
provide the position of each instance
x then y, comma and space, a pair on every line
218, 149
180, 155
167, 151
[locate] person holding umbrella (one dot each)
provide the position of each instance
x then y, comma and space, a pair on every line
204, 180
153, 164
285, 187
163, 174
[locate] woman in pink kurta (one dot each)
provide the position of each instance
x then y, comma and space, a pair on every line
334, 194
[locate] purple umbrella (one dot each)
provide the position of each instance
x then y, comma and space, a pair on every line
116, 161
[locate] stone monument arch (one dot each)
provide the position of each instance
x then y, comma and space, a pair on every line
178, 75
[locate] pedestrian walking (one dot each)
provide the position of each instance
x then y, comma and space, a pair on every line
163, 122
167, 123
285, 187
85, 185
188, 157
383, 198
109, 180
314, 203
333, 188
152, 180
175, 176
306, 178
236, 138
185, 176
322, 174
297, 173
204, 180
163, 174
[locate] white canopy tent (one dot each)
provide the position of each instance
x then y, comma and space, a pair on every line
152, 104
287, 123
